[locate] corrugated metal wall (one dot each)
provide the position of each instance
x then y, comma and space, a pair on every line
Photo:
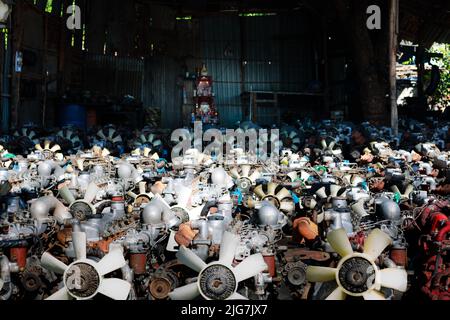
276, 53
221, 51
269, 53
115, 76
162, 89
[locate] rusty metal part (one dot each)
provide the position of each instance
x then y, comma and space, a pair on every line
160, 288
306, 229
269, 259
19, 255
138, 262
400, 256
185, 234
64, 236
292, 255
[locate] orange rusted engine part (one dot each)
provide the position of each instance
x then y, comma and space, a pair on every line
138, 262
19, 255
270, 261
305, 229
185, 234
64, 235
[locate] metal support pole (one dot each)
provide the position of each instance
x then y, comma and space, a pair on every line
393, 35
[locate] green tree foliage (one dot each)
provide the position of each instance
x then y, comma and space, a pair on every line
441, 98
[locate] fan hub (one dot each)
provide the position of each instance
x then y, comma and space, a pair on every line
244, 184
217, 282
357, 275
82, 280
81, 210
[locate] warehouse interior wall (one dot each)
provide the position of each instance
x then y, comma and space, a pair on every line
148, 58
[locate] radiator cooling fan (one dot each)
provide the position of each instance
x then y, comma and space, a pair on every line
84, 278
291, 139
148, 140
218, 280
81, 209
244, 180
330, 147
70, 140
26, 139
50, 149
279, 196
357, 274
109, 137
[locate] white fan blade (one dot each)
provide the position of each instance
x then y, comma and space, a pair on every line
246, 170
143, 138
117, 139
101, 135
55, 148
132, 194
190, 259
80, 164
394, 278
324, 144
339, 241
408, 190
157, 143
142, 186
67, 195
110, 133
321, 193
334, 189
147, 152
38, 147
287, 206
373, 295
250, 267
228, 247
237, 296
47, 145
375, 243
187, 292
105, 152
259, 191
271, 187
293, 176
255, 175
234, 173
112, 261
337, 294
282, 194
116, 289
79, 244
395, 189
61, 294
332, 144
91, 192
320, 274
51, 263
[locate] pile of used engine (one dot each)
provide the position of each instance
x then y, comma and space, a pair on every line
347, 213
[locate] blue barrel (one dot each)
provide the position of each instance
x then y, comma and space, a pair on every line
72, 114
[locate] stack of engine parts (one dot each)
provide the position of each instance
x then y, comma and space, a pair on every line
339, 216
